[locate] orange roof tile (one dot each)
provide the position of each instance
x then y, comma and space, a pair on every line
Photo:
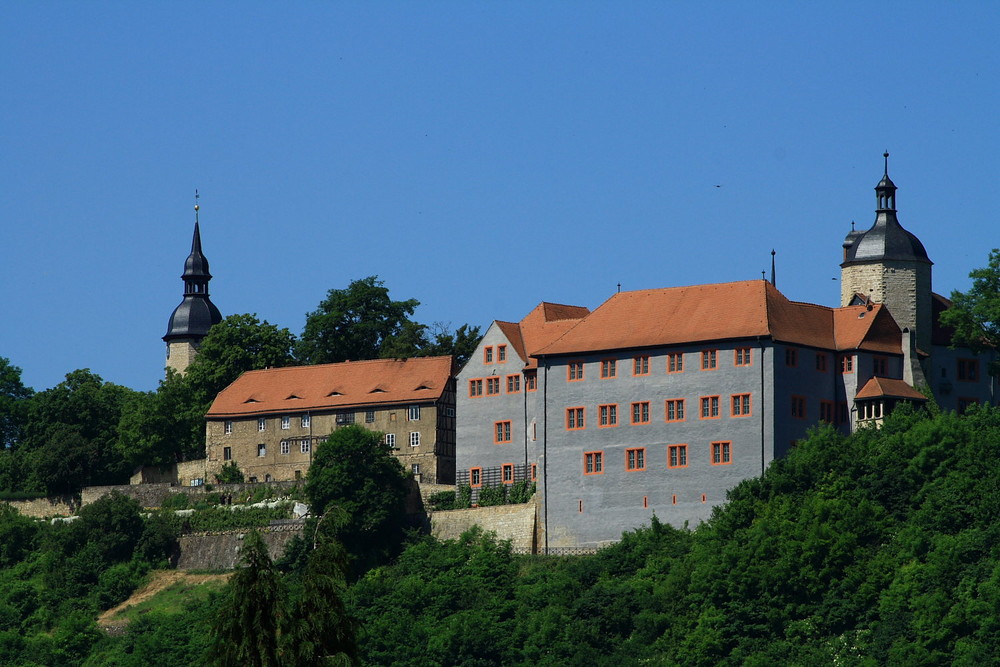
333, 386
887, 387
723, 311
545, 323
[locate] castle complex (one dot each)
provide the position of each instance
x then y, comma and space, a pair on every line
658, 401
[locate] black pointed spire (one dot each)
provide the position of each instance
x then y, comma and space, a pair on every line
773, 284
196, 313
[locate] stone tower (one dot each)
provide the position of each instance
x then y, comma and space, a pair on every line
191, 320
889, 265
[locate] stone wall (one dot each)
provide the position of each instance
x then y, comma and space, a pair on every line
222, 551
152, 495
510, 522
43, 508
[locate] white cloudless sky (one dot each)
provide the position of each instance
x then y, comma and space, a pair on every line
479, 157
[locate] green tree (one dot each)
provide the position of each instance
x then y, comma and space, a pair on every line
460, 343
13, 397
246, 628
70, 431
354, 472
357, 323
168, 425
975, 315
320, 631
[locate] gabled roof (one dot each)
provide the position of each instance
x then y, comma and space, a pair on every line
724, 311
333, 386
888, 388
545, 323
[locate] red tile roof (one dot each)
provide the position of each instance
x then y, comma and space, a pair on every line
333, 386
886, 387
545, 323
724, 311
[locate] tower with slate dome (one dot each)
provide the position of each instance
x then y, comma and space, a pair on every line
195, 315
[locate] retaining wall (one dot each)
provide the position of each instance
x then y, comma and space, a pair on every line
510, 522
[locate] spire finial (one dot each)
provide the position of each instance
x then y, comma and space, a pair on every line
886, 156
619, 288
773, 284
196, 207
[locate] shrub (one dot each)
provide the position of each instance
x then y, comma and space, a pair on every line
230, 474
442, 500
521, 492
463, 498
175, 501
492, 495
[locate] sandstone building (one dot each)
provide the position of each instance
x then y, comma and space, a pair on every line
269, 422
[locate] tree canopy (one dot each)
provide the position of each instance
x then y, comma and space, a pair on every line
13, 396
354, 473
975, 315
354, 323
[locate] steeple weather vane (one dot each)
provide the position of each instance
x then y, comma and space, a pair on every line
196, 206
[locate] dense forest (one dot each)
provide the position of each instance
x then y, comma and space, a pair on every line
875, 548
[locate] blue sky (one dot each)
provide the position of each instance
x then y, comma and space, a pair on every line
480, 157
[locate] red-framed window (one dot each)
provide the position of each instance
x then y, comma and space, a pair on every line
826, 411
880, 366
513, 384
607, 415
740, 405
722, 453
530, 380
675, 362
507, 473
640, 364
791, 356
674, 410
475, 388
821, 362
846, 364
501, 354
709, 407
492, 386
709, 360
488, 354
593, 463
799, 407
968, 370
574, 371
677, 456
534, 472
475, 477
741, 356
609, 368
640, 412
635, 459
575, 419
501, 432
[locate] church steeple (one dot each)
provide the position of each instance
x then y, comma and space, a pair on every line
191, 320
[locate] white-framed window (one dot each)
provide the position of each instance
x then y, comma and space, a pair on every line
227, 453
285, 448
229, 427
198, 481
306, 421
369, 416
261, 424
305, 446
414, 414
262, 450
414, 438
286, 423
390, 439
345, 417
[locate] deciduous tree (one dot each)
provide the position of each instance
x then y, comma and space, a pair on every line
358, 322
975, 314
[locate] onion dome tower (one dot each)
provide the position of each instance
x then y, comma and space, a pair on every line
889, 265
191, 320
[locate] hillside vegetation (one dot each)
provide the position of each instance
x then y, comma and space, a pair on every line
877, 548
